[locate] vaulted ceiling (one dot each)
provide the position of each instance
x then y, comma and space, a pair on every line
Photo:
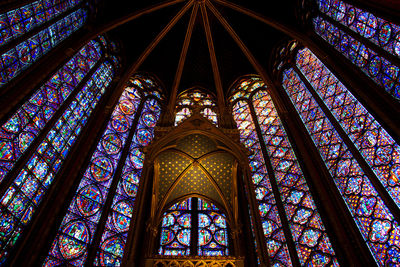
212, 61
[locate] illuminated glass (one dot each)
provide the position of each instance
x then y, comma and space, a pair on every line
376, 66
80, 223
381, 32
308, 233
374, 220
176, 229
22, 20
195, 99
178, 226
116, 230
17, 59
273, 231
378, 148
19, 131
24, 195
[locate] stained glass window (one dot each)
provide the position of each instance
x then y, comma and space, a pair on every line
24, 195
195, 99
307, 230
22, 20
19, 131
114, 237
20, 57
381, 32
373, 29
78, 227
373, 218
377, 147
194, 215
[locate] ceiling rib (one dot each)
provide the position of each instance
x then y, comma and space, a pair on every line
290, 31
132, 16
134, 67
182, 59
213, 58
253, 61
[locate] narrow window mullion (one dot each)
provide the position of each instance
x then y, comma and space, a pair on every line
360, 159
8, 179
275, 189
107, 206
362, 39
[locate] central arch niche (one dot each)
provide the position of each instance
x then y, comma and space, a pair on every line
193, 226
197, 161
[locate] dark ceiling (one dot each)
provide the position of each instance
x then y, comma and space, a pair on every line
135, 36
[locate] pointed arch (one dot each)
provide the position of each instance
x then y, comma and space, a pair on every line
108, 187
281, 189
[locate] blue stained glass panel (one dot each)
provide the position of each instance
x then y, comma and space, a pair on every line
308, 232
110, 252
17, 59
278, 251
26, 123
377, 147
378, 30
20, 21
376, 224
26, 192
377, 67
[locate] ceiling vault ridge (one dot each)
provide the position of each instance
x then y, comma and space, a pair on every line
245, 50
135, 66
134, 15
209, 177
213, 58
182, 58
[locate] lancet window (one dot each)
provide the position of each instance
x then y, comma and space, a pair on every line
71, 94
359, 153
194, 227
370, 42
281, 189
193, 99
22, 26
113, 174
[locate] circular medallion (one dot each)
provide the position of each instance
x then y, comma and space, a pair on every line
120, 123
110, 259
73, 239
385, 33
127, 107
129, 184
111, 144
121, 218
88, 200
101, 169
149, 119
136, 158
375, 66
351, 15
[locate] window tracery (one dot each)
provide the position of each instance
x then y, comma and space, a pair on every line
195, 99
136, 112
252, 108
335, 16
194, 223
